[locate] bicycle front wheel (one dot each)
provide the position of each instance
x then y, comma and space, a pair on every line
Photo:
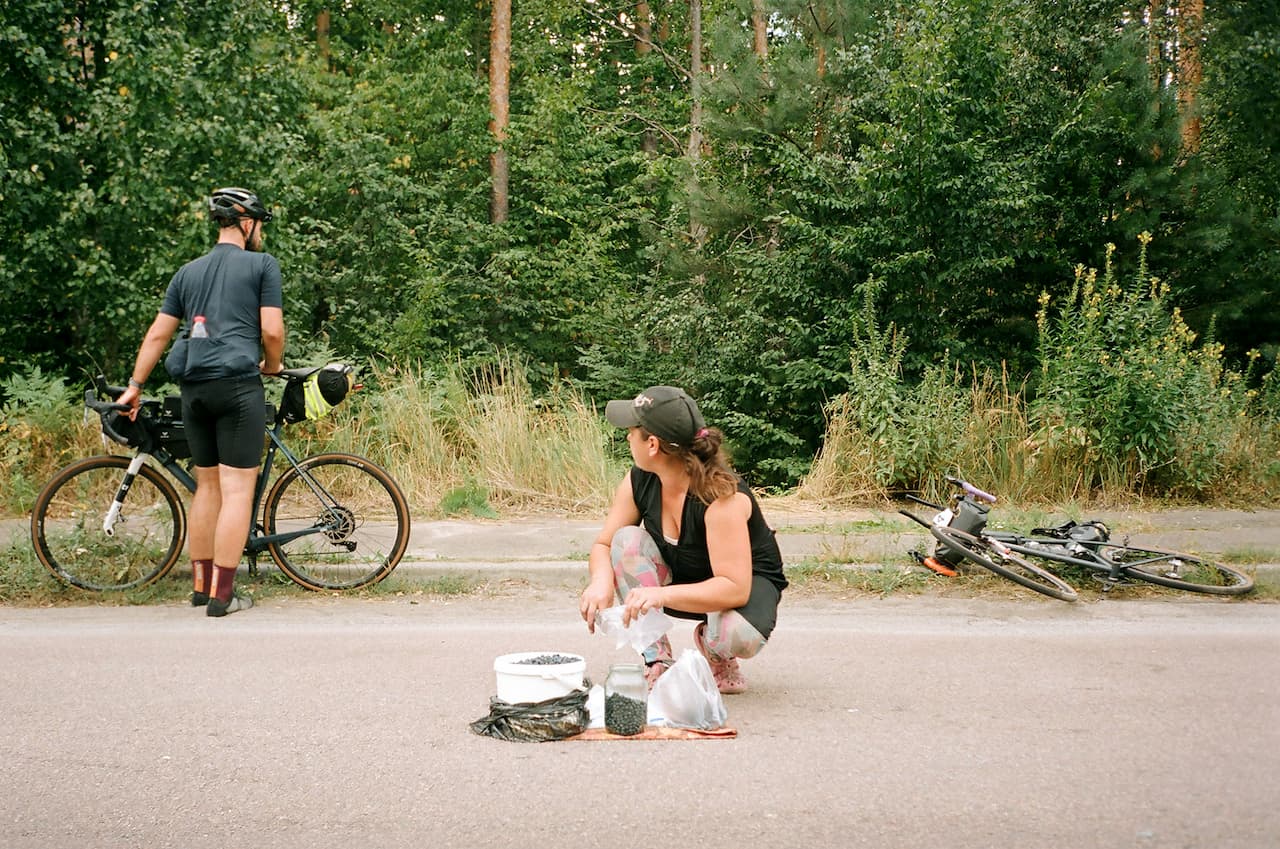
1174, 570
75, 539
1012, 566
344, 520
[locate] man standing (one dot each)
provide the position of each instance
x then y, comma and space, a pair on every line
231, 301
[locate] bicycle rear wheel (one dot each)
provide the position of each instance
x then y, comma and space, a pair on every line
1174, 570
351, 518
70, 541
1012, 566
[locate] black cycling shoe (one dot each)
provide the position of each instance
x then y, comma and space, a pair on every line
222, 608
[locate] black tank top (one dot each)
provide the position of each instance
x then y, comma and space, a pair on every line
688, 558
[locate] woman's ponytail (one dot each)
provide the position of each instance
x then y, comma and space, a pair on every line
710, 476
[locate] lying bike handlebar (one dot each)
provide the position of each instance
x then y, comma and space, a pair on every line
972, 490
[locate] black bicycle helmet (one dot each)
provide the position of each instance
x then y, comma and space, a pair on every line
231, 204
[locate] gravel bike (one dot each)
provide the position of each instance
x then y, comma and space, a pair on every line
959, 530
1088, 547
332, 521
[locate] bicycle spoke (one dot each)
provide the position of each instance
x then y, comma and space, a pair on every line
1007, 564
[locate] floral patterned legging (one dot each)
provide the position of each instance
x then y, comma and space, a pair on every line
638, 563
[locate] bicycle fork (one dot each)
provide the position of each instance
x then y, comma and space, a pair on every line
117, 504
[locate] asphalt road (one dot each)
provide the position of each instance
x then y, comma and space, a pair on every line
913, 722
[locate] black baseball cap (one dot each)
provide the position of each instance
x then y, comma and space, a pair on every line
665, 411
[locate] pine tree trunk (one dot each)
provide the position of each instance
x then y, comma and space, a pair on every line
1190, 72
820, 128
499, 106
697, 230
760, 29
322, 37
760, 47
695, 78
644, 46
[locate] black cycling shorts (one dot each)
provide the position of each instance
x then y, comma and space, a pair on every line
225, 421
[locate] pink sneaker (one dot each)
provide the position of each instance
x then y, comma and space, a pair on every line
728, 675
653, 671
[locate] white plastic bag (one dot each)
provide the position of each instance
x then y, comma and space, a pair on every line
595, 707
640, 634
686, 695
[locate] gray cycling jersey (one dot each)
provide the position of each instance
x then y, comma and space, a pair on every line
227, 287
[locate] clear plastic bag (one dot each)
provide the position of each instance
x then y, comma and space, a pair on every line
686, 695
640, 634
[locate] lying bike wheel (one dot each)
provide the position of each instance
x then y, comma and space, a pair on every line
1178, 571
1005, 564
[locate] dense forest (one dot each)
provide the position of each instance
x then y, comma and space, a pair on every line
709, 193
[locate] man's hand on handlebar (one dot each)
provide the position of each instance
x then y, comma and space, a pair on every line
132, 396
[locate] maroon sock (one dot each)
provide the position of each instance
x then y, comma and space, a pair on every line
202, 575
223, 580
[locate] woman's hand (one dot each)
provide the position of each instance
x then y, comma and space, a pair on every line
596, 597
640, 600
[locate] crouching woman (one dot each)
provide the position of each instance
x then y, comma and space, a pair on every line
685, 534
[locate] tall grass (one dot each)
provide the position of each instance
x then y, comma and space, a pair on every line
440, 432
475, 438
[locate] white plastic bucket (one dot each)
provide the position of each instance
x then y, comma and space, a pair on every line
520, 683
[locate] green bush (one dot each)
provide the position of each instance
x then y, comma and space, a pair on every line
36, 434
1125, 395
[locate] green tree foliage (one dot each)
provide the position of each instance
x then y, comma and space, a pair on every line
1226, 261
117, 117
963, 154
389, 179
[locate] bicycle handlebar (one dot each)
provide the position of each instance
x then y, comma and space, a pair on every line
970, 489
104, 409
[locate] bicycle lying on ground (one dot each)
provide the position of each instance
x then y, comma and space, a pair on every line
332, 521
1086, 546
960, 533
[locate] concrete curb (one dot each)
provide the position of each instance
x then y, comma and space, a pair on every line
552, 551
